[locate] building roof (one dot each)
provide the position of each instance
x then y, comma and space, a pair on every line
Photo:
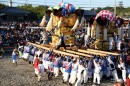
12, 10
89, 13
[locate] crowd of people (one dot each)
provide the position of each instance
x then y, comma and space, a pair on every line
75, 71
13, 33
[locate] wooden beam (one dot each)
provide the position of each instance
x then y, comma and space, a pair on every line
55, 51
39, 46
90, 52
104, 52
78, 53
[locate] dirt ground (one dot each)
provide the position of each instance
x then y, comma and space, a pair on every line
23, 75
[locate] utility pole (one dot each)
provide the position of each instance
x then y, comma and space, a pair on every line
45, 2
10, 3
26, 2
90, 4
115, 8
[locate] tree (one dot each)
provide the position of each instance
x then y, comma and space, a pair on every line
36, 12
2, 6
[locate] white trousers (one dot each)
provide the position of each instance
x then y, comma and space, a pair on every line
30, 58
79, 79
56, 71
114, 74
66, 76
124, 75
14, 61
97, 77
46, 64
73, 77
85, 76
36, 70
63, 70
25, 56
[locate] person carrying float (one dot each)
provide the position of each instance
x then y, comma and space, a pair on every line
97, 71
56, 66
73, 74
112, 68
32, 54
122, 67
80, 72
68, 69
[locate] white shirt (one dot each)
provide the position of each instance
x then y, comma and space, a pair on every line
75, 67
50, 66
97, 67
80, 68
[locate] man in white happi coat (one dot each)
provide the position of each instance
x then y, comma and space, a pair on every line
122, 67
56, 66
32, 53
80, 74
73, 74
39, 52
64, 63
85, 73
68, 69
97, 71
45, 55
112, 68
26, 53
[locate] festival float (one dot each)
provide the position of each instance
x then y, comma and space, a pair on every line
103, 28
64, 19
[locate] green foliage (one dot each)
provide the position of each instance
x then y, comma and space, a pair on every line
2, 6
36, 12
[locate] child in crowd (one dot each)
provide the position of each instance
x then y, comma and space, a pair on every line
40, 71
14, 56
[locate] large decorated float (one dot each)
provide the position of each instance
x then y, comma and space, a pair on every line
64, 19
104, 27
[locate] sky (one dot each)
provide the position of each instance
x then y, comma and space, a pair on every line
86, 4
